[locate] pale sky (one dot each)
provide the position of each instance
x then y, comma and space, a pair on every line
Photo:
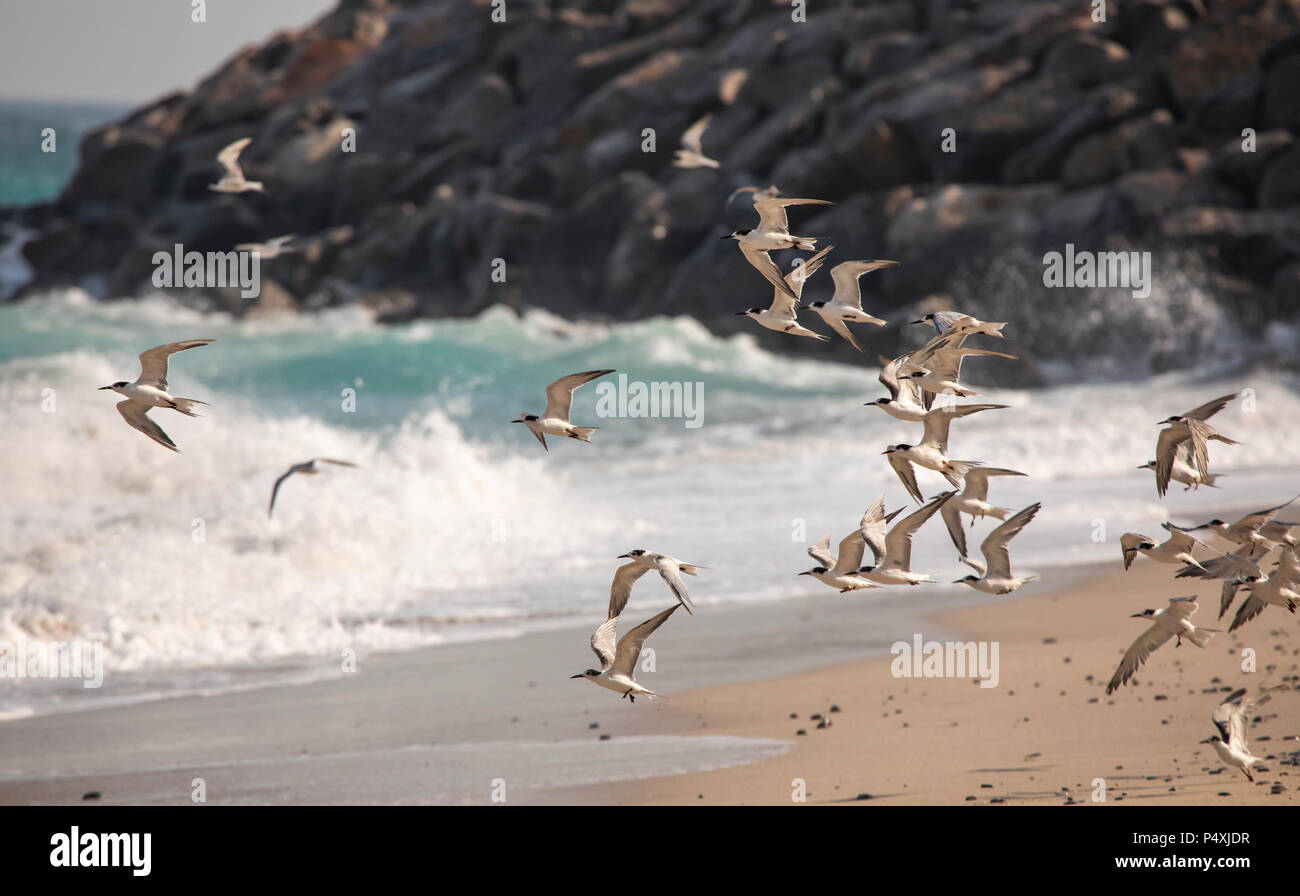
129, 51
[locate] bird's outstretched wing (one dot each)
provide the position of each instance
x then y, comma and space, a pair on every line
771, 212
602, 642
848, 291
1136, 655
559, 394
671, 573
136, 413
228, 158
996, 548
1210, 408
764, 264
903, 467
153, 362
821, 552
629, 646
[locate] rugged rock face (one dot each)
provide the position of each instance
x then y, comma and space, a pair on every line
523, 140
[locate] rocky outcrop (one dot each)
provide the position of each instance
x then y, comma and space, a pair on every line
953, 134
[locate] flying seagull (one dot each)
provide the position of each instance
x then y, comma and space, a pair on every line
1176, 549
233, 181
554, 420
973, 500
931, 452
782, 316
618, 663
841, 571
845, 306
1258, 528
642, 561
150, 391
995, 572
307, 467
1281, 588
958, 324
773, 232
893, 550
1231, 718
1184, 472
935, 368
691, 155
1174, 621
904, 401
1189, 427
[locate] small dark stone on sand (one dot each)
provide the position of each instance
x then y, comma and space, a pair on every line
834, 708
863, 796
594, 725
604, 737
800, 733
91, 795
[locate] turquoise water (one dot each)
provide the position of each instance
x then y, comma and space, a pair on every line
27, 174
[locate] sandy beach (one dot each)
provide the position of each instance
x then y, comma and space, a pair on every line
1042, 736
450, 724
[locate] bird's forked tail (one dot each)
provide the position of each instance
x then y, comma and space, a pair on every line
582, 433
1202, 636
185, 404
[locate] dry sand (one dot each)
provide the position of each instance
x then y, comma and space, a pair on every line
1041, 736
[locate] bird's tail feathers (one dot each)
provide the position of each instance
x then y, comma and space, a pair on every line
582, 433
999, 513
806, 243
1202, 636
185, 404
957, 470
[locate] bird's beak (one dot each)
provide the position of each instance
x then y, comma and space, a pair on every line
958, 581
1208, 740
516, 421
577, 676
102, 388
1138, 616
727, 237
920, 321
804, 574
623, 557
741, 313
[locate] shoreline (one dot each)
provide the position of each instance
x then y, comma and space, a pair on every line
436, 725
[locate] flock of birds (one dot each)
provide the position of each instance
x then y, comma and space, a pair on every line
1182, 455
923, 386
